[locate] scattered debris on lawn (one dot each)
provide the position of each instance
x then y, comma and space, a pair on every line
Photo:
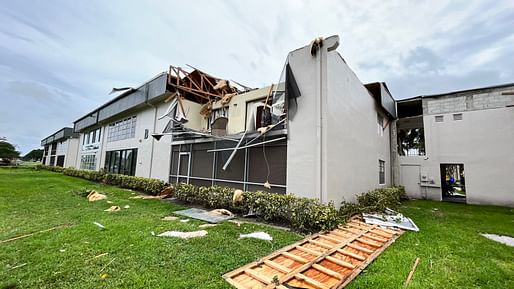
325, 260
184, 221
207, 226
166, 191
204, 215
99, 225
152, 233
183, 235
509, 241
17, 266
98, 256
95, 196
42, 231
144, 197
126, 207
62, 250
237, 197
104, 276
257, 235
113, 209
391, 218
170, 218
223, 212
103, 268
411, 273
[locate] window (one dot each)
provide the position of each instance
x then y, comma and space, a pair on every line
217, 113
380, 124
411, 136
88, 162
123, 129
258, 114
439, 118
457, 116
91, 137
121, 162
381, 172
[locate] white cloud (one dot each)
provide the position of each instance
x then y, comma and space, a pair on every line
83, 49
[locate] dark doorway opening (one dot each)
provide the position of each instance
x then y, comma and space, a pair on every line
60, 161
453, 183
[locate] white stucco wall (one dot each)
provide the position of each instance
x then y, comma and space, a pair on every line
482, 141
333, 142
72, 151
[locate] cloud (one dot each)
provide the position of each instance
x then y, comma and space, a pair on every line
59, 59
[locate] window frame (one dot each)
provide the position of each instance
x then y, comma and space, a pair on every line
381, 172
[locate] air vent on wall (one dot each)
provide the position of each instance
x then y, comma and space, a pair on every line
439, 118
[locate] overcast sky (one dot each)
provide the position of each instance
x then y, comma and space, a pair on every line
60, 59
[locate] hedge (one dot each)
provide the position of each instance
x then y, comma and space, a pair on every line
149, 186
374, 201
302, 214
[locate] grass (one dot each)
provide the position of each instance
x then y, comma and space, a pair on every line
453, 254
36, 200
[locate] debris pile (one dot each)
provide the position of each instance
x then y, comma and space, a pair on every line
257, 235
390, 218
94, 196
183, 235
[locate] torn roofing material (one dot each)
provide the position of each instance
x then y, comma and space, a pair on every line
198, 86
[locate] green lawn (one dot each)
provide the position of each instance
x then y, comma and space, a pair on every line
452, 253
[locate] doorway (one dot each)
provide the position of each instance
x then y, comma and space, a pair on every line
453, 183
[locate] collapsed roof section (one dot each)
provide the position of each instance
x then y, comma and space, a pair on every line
199, 86
194, 85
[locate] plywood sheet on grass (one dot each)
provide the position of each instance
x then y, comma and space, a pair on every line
322, 261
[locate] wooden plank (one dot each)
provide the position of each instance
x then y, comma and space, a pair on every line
258, 276
294, 257
351, 254
364, 264
381, 240
372, 244
321, 244
342, 235
361, 234
331, 239
308, 251
340, 262
306, 266
311, 281
357, 247
381, 233
327, 271
277, 266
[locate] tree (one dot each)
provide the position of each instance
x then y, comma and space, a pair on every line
8, 152
35, 154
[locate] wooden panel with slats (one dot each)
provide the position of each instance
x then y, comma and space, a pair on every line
322, 261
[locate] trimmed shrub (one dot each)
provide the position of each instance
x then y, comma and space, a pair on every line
149, 186
302, 214
374, 201
49, 168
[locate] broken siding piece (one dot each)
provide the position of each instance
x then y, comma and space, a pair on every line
324, 260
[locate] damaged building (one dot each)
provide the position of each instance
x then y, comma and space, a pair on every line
318, 132
456, 146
